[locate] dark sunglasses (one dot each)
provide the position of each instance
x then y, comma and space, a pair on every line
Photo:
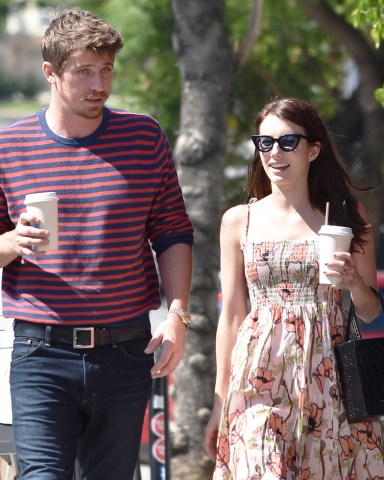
287, 143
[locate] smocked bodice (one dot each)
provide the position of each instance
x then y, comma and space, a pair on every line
281, 272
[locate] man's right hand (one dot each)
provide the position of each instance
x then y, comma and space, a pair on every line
28, 236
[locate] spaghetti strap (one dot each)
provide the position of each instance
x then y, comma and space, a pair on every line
244, 236
247, 223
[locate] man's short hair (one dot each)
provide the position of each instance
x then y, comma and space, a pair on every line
75, 31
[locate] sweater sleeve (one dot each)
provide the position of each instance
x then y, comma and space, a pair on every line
168, 222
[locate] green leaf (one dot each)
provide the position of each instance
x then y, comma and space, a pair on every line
379, 95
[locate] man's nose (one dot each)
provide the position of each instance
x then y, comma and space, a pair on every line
97, 82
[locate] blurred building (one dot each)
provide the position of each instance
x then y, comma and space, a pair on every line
20, 54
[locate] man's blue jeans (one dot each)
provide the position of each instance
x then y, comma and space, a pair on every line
85, 403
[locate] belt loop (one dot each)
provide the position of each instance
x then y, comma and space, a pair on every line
113, 338
47, 339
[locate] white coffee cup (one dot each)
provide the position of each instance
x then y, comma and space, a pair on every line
44, 205
332, 239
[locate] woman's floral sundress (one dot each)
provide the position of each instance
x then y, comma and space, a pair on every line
283, 417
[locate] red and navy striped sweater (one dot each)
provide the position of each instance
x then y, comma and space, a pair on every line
118, 194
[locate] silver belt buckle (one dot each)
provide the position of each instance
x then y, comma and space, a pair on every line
91, 343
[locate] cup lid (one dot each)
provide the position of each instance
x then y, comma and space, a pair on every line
40, 197
335, 230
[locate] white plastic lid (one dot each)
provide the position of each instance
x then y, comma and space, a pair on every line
40, 197
335, 230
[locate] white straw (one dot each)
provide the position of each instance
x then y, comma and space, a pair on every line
326, 213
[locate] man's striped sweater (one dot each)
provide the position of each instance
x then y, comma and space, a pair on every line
118, 196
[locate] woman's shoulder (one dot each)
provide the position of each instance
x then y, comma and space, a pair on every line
234, 225
235, 216
239, 214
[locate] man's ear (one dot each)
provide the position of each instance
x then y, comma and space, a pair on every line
48, 72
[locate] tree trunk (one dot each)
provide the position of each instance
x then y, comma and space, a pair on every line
205, 61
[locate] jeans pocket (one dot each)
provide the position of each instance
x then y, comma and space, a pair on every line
24, 348
134, 350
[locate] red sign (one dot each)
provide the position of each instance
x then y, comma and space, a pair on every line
158, 450
158, 424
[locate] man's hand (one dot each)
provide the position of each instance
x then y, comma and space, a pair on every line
28, 236
170, 335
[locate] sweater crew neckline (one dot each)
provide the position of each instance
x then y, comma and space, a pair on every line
74, 142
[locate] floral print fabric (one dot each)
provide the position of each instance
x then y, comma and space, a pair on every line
283, 417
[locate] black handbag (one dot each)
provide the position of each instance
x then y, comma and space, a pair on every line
360, 364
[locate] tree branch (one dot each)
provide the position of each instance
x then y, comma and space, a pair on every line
339, 29
355, 43
253, 31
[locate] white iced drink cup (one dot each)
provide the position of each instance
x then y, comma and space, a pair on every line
44, 206
332, 239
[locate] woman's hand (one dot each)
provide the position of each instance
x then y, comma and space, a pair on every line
343, 270
210, 435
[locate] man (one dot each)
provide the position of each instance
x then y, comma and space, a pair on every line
83, 355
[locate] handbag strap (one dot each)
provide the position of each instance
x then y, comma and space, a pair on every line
352, 320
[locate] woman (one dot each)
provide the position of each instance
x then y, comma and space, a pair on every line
278, 413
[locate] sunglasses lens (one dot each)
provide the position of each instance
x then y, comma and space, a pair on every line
264, 144
289, 142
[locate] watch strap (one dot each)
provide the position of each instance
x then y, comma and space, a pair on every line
184, 316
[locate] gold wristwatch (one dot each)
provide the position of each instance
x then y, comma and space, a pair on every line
184, 316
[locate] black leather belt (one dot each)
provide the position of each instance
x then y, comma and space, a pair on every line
79, 337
